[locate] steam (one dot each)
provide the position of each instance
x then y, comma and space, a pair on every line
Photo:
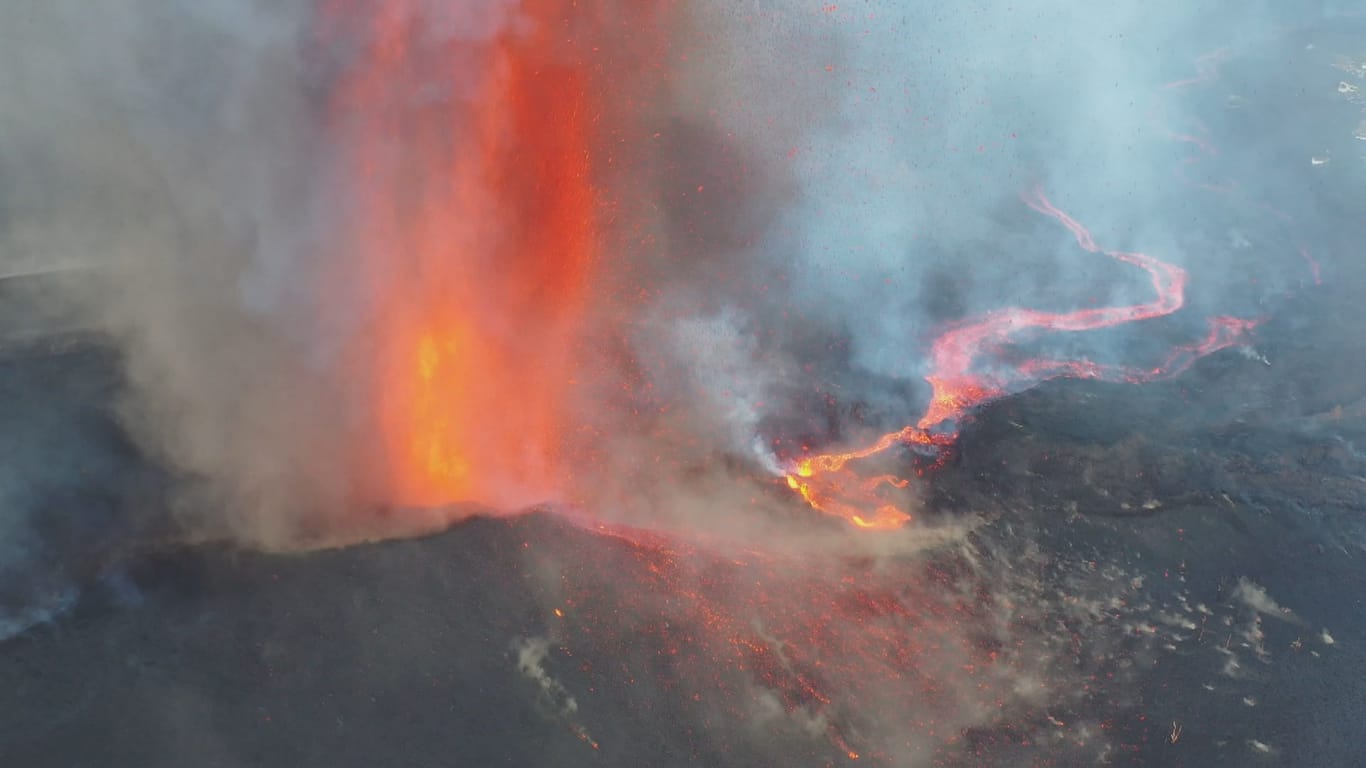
1255, 597
531, 659
712, 360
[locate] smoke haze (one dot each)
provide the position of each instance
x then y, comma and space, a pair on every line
791, 200
372, 266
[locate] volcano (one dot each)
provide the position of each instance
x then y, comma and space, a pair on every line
1232, 528
1161, 567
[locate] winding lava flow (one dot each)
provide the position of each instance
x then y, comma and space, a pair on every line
827, 482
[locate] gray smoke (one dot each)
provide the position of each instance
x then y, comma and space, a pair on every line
893, 141
168, 147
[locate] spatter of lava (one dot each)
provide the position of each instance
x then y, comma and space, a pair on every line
959, 383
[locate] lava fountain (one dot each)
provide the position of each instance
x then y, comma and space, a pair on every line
469, 133
828, 484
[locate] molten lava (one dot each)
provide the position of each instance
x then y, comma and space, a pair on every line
828, 484
474, 222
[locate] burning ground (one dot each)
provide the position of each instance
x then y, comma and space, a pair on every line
620, 323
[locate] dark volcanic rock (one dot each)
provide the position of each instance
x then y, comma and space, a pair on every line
74, 492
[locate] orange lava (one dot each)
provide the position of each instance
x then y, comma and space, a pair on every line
824, 482
827, 484
475, 222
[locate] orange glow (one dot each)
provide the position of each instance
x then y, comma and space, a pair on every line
826, 485
826, 493
475, 223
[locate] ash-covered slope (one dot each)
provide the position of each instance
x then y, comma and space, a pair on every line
448, 650
1189, 556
